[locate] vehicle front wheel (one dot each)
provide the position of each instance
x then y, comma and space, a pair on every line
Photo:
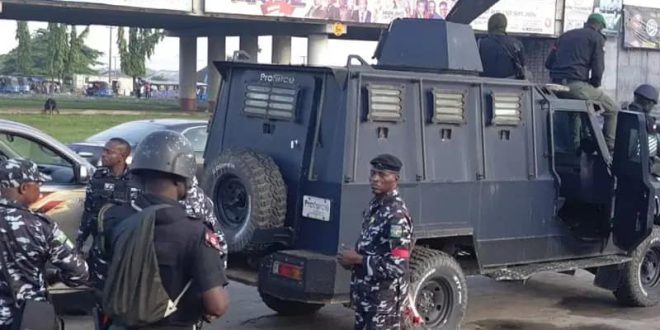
289, 307
439, 289
640, 283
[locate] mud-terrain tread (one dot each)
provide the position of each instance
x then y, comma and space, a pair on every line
267, 209
629, 292
423, 259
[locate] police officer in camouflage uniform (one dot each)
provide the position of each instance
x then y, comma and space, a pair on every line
109, 183
29, 240
379, 263
646, 98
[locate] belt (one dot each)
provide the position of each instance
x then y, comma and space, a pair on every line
565, 81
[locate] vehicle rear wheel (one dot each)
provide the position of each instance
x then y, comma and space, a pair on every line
249, 194
289, 307
640, 284
439, 289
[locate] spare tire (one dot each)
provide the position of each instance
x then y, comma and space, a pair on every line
249, 193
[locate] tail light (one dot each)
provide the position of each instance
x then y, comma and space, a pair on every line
288, 270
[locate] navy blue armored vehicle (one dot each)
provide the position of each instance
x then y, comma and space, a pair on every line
503, 177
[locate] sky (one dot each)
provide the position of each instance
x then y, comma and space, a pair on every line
166, 55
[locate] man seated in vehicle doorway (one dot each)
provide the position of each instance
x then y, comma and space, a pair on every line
645, 99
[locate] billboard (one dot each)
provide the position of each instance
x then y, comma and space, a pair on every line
576, 13
611, 10
641, 27
179, 5
529, 16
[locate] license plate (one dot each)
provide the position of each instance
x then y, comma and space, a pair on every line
316, 208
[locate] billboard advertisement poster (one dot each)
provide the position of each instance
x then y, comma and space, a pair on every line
611, 10
529, 16
576, 13
641, 27
178, 5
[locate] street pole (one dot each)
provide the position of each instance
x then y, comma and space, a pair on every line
110, 59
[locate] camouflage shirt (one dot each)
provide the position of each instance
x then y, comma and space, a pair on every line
35, 240
380, 283
199, 206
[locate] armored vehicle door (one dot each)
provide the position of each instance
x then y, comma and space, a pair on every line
633, 214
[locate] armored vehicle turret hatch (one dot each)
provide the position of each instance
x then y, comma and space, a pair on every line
503, 178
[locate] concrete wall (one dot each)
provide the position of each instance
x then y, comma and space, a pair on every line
636, 67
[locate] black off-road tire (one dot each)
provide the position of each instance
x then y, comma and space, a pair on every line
640, 282
261, 205
438, 288
289, 307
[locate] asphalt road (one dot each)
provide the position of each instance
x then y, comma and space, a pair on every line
545, 302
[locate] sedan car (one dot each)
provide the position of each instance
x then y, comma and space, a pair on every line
135, 131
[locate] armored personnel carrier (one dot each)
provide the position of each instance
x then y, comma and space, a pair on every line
503, 178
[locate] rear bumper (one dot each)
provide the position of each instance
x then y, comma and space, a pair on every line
323, 280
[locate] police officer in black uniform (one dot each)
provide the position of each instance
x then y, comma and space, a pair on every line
186, 249
645, 99
379, 262
502, 56
109, 182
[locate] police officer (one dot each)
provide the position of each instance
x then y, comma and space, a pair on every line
379, 262
645, 99
186, 250
576, 54
502, 56
30, 240
110, 181
199, 206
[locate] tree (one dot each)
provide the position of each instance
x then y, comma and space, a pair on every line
76, 58
135, 52
24, 49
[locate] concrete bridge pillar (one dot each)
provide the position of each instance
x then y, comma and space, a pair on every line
281, 50
317, 45
216, 52
188, 73
249, 44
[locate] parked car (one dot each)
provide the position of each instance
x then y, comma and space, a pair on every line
134, 131
63, 197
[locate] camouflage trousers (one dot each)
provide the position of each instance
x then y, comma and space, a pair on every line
375, 320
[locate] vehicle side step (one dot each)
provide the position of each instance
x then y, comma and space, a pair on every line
522, 273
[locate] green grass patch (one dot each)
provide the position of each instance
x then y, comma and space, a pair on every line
76, 127
71, 102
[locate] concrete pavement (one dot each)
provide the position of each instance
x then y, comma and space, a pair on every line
546, 302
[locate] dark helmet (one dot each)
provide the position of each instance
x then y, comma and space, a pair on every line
648, 92
167, 152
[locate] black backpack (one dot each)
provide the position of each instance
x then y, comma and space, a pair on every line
133, 294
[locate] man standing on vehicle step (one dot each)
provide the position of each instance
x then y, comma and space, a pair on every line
27, 242
379, 262
578, 61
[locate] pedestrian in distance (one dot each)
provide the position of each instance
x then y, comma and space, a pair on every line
380, 260
28, 241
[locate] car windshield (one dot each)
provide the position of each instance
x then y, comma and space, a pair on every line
131, 132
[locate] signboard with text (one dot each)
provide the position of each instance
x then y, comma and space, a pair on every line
641, 27
529, 16
178, 5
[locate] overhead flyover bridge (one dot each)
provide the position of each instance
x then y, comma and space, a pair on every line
317, 20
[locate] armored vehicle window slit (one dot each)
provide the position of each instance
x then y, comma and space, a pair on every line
448, 107
507, 109
385, 103
270, 102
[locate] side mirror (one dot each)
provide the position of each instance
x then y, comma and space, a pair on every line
83, 174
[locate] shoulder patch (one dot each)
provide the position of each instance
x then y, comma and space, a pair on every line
396, 231
212, 240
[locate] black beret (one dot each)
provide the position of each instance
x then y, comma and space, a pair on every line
386, 162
